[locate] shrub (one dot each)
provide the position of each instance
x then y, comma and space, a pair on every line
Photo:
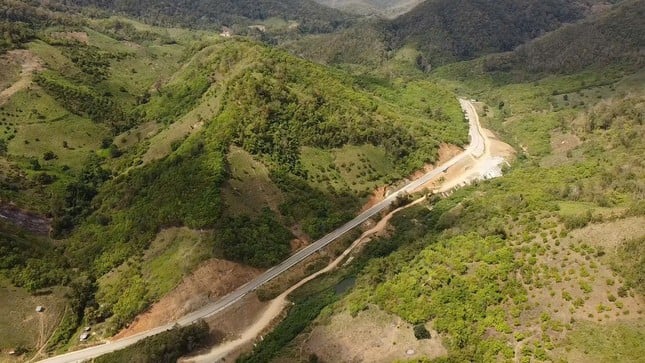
420, 332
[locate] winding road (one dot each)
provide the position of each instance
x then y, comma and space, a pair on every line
475, 149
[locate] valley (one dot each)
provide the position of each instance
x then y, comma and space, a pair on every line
321, 181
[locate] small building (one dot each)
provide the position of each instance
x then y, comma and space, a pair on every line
87, 328
40, 309
84, 336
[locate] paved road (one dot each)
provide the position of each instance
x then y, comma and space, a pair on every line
476, 149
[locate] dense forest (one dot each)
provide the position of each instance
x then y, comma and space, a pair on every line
607, 38
446, 30
311, 17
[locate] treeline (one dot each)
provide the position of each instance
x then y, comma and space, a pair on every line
260, 242
82, 100
312, 17
279, 106
124, 30
14, 34
447, 30
74, 204
165, 347
29, 265
616, 36
21, 20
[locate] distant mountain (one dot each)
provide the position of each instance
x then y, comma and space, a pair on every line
617, 35
448, 30
312, 17
382, 8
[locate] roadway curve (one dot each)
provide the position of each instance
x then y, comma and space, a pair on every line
475, 149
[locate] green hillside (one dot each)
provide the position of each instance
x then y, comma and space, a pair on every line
608, 38
533, 266
543, 264
128, 130
310, 16
456, 30
150, 149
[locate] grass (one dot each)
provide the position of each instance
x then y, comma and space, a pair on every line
52, 57
614, 342
42, 125
249, 188
10, 73
19, 321
171, 256
357, 168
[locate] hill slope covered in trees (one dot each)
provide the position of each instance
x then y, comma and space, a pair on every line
311, 16
446, 30
126, 131
615, 36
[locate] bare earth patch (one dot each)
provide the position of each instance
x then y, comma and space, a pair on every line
372, 336
29, 221
496, 152
611, 234
29, 63
212, 280
80, 37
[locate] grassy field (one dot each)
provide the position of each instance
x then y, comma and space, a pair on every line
615, 342
20, 324
249, 188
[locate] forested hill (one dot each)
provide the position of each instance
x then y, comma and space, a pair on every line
448, 30
616, 36
311, 16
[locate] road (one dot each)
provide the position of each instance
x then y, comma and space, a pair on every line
475, 149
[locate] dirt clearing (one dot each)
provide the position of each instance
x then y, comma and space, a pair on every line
212, 280
29, 64
372, 336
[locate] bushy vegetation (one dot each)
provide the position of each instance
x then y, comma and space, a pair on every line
447, 30
84, 101
260, 242
165, 347
30, 262
609, 38
312, 17
22, 19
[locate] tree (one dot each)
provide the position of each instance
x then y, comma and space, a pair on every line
420, 332
49, 155
3, 147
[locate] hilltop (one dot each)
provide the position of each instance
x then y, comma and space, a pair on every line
123, 132
380, 8
309, 16
457, 30
607, 38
